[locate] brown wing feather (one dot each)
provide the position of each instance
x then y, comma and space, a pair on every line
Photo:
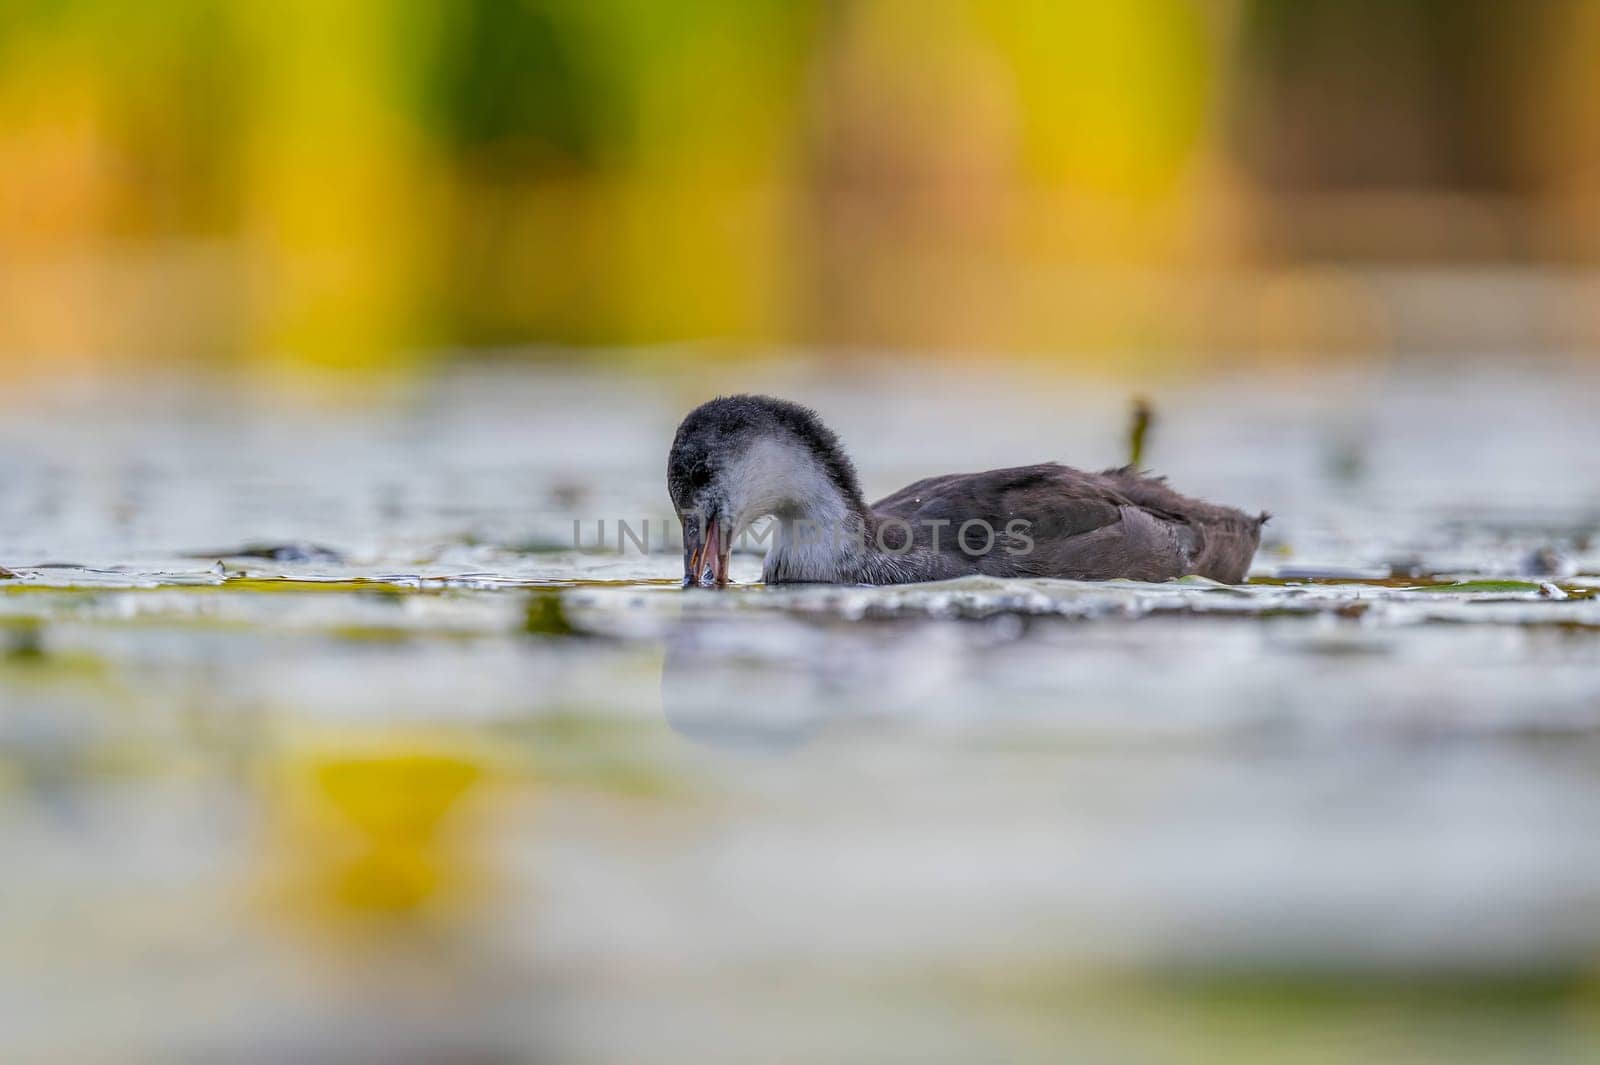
1228, 537
1083, 525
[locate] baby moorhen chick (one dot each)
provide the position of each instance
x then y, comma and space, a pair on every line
739, 458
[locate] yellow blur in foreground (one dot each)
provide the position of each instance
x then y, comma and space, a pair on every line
381, 834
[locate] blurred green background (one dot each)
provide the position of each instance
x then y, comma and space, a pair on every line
368, 183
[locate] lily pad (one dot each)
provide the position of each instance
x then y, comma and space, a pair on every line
1480, 586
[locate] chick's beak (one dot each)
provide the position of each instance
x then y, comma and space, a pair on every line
705, 553
693, 548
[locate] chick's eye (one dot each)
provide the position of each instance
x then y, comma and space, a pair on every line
699, 477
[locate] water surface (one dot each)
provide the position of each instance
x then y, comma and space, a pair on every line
320, 739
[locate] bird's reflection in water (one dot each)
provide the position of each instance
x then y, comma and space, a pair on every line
738, 688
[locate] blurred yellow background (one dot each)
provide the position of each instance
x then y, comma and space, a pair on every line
367, 183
